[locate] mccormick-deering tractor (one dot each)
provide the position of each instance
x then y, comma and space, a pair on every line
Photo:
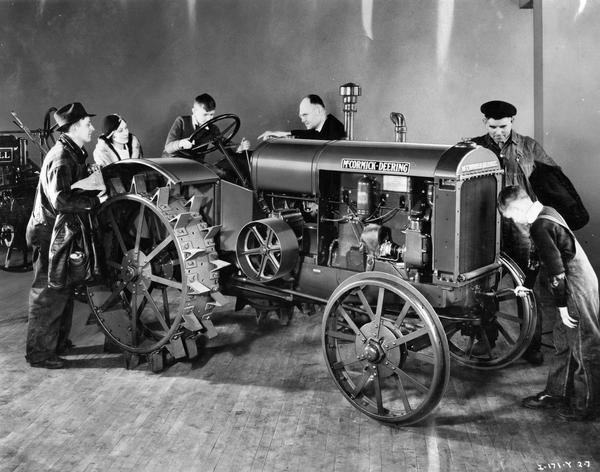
399, 243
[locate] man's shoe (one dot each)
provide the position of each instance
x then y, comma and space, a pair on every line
543, 401
573, 414
50, 363
534, 357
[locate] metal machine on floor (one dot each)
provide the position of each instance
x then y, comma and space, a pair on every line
19, 174
399, 243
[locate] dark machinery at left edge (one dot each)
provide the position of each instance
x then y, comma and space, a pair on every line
19, 174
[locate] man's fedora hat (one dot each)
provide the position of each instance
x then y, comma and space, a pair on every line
69, 114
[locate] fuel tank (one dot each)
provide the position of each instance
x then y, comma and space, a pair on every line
293, 165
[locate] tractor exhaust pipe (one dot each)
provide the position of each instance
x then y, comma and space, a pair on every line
399, 126
350, 93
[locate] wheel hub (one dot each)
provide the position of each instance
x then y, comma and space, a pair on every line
134, 268
373, 347
373, 351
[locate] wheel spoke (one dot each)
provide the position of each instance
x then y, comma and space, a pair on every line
351, 323
423, 357
380, 298
422, 388
509, 317
486, 342
158, 249
470, 345
505, 333
343, 364
157, 313
226, 130
274, 262
263, 265
452, 331
269, 237
358, 388
403, 394
342, 336
258, 236
117, 231
134, 318
110, 300
163, 281
166, 310
402, 313
140, 225
252, 252
378, 398
365, 303
506, 294
407, 338
141, 307
414, 335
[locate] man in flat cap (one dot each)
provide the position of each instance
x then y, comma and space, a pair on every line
51, 308
518, 155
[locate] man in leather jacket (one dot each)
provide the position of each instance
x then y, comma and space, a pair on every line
51, 309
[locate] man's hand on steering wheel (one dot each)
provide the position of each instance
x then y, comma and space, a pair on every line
210, 136
185, 144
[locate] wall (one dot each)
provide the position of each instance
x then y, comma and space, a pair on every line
572, 102
435, 61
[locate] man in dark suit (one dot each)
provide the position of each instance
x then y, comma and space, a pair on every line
319, 124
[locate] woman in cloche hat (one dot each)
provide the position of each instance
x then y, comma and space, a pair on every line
116, 142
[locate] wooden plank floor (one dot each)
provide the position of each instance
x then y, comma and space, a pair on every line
256, 400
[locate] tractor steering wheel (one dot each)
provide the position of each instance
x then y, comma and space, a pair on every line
210, 136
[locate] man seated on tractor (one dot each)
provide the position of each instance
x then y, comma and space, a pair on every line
319, 124
179, 144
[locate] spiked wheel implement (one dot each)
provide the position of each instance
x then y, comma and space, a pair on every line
161, 282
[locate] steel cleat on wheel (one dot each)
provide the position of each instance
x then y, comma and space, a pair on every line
161, 273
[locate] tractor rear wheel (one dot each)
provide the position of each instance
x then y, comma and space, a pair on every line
161, 277
503, 331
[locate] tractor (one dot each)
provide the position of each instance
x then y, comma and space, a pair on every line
397, 244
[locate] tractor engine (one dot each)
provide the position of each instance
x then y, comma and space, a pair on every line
425, 212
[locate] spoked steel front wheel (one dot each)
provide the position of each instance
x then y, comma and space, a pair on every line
385, 348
